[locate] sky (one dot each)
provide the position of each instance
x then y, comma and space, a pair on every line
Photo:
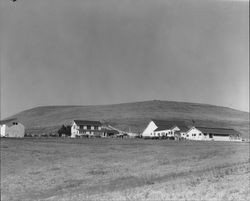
88, 52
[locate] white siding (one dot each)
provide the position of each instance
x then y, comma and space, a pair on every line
168, 132
195, 134
161, 133
13, 131
221, 138
3, 129
74, 130
183, 134
149, 130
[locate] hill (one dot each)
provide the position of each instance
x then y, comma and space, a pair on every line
134, 115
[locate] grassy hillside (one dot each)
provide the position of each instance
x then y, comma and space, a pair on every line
134, 115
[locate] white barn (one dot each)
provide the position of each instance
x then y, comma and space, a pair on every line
162, 128
216, 134
11, 128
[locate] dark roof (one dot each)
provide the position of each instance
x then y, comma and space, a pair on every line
87, 122
183, 128
165, 125
220, 131
8, 121
110, 131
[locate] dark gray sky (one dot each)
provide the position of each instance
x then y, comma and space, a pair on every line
57, 52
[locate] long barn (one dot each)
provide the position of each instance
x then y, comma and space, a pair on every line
216, 134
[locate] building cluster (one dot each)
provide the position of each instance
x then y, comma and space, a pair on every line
156, 129
178, 130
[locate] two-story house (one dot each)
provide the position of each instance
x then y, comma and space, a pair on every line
86, 128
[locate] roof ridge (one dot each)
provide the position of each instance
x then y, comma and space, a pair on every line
213, 127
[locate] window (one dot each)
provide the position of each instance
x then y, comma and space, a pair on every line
88, 127
187, 135
96, 127
194, 134
81, 126
200, 134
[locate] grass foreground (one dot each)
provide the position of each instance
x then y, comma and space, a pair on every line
123, 169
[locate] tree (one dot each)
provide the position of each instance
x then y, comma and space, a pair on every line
66, 130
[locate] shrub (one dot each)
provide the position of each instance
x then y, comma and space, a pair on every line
66, 130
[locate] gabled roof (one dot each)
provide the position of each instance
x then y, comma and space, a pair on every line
8, 121
183, 128
167, 125
220, 131
110, 131
87, 122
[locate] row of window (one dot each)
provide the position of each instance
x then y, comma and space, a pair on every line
194, 134
163, 133
84, 132
88, 127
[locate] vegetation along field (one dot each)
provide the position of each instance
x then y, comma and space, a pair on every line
123, 169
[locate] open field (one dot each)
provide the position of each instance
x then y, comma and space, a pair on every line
123, 169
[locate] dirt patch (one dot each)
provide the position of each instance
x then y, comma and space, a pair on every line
35, 173
98, 172
55, 169
66, 186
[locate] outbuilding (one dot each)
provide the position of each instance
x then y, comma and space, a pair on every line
12, 128
216, 134
163, 128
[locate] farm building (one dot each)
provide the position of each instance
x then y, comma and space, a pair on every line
86, 128
162, 128
216, 134
110, 132
12, 128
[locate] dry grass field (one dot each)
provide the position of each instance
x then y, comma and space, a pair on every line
123, 169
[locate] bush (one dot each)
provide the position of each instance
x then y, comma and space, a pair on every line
27, 135
66, 130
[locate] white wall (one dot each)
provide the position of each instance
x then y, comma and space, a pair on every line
168, 132
74, 130
149, 130
183, 134
162, 133
15, 130
3, 129
195, 134
221, 138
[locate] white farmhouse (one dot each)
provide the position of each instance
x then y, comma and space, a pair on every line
162, 128
86, 128
11, 128
216, 134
